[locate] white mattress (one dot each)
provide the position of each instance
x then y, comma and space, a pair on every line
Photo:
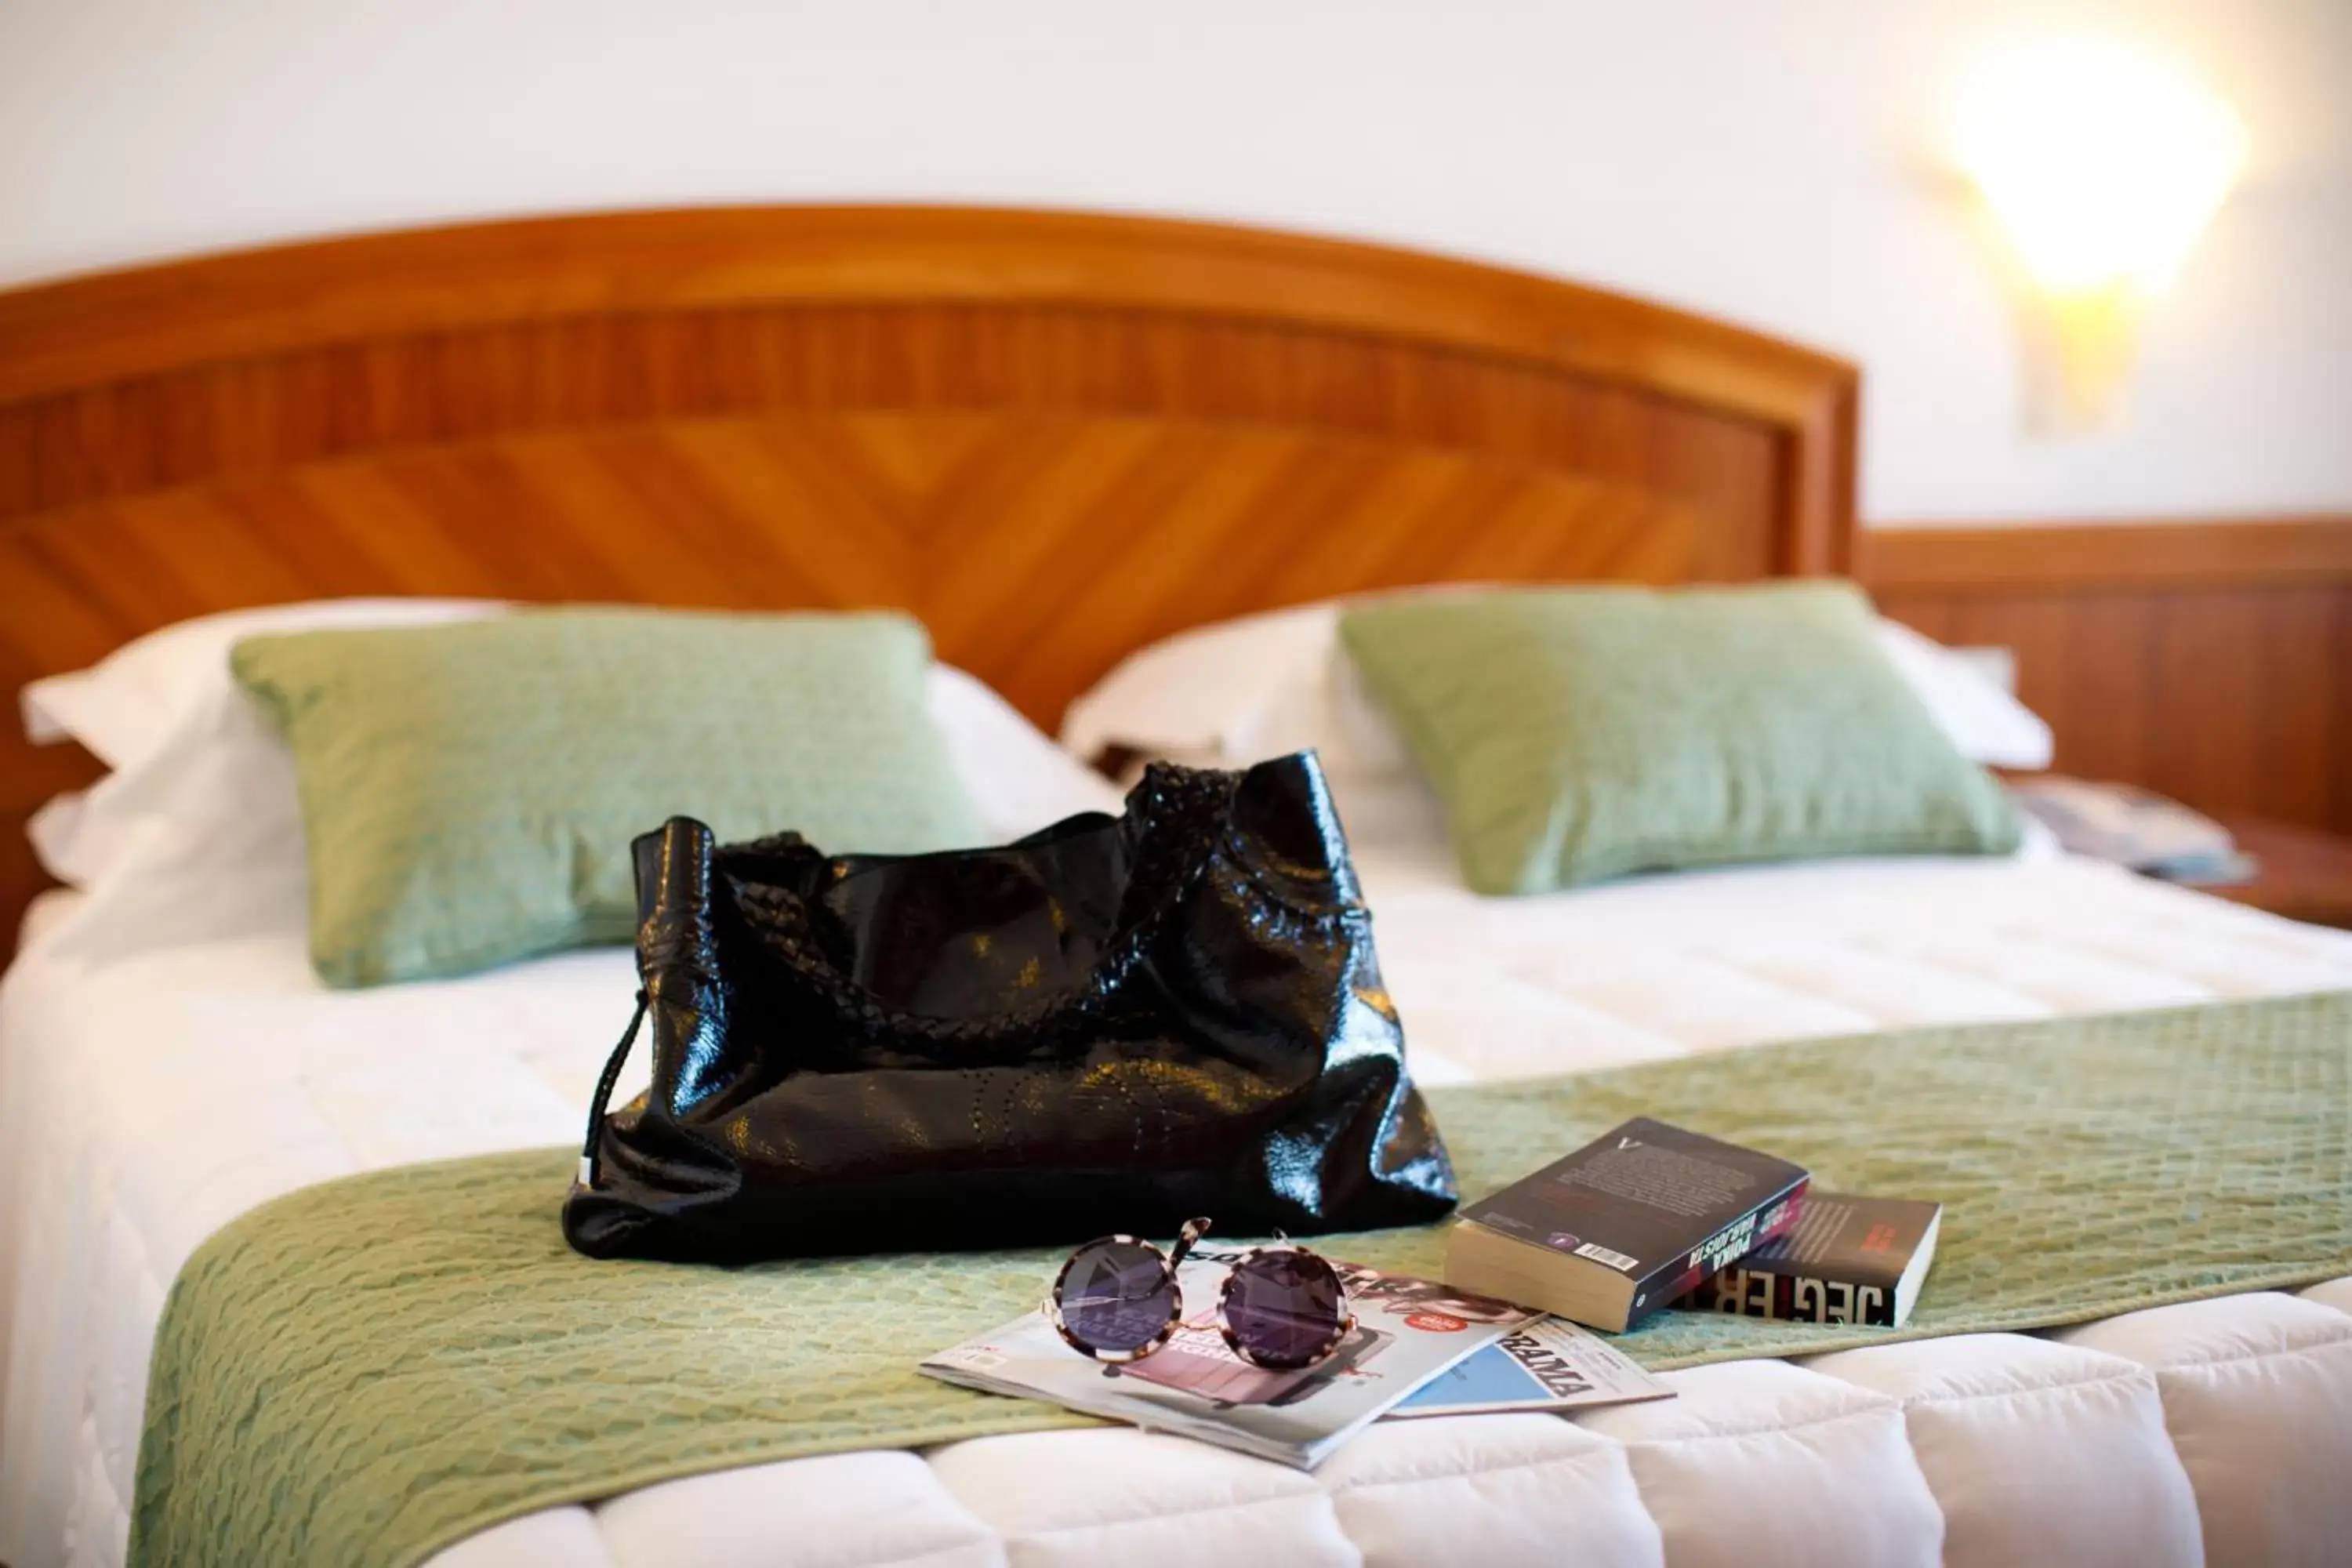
146, 1101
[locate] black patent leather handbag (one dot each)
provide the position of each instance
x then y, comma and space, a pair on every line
1111, 1026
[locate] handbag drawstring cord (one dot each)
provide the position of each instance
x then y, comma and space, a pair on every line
605, 1082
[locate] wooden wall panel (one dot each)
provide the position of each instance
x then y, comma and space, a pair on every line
2211, 660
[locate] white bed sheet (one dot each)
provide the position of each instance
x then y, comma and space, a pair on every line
146, 1101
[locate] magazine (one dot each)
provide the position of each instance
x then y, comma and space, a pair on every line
1407, 1331
1550, 1365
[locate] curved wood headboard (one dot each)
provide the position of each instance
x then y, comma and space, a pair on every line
1055, 437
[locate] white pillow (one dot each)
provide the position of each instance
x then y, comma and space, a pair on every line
170, 722
1229, 694
197, 832
1984, 720
125, 706
1018, 779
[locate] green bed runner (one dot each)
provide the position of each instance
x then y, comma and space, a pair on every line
367, 1370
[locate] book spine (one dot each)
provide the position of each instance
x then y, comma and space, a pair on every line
1768, 1221
1798, 1298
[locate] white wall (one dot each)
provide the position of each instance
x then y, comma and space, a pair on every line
1769, 161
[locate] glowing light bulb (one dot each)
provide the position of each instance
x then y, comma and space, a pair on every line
2103, 165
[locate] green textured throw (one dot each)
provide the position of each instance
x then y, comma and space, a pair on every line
470, 790
1581, 734
364, 1371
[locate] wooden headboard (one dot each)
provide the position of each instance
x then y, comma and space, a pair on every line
1054, 437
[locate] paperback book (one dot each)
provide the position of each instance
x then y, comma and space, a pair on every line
1850, 1259
1407, 1331
1631, 1221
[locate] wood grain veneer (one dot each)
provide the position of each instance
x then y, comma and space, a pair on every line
1055, 437
2175, 553
2303, 874
2207, 659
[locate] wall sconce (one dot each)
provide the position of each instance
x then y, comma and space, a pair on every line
2101, 166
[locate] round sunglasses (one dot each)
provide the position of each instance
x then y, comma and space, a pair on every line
1281, 1307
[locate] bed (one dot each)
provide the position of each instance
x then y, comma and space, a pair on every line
1055, 439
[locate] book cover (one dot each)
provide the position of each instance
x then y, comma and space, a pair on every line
1626, 1225
1849, 1259
1550, 1365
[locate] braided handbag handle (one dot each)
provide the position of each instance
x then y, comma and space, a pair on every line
1183, 813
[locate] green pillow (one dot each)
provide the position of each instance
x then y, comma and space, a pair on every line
1578, 733
470, 790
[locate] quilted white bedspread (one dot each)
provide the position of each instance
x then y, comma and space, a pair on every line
145, 1101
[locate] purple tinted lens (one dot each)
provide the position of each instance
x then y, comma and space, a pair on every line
1116, 1296
1285, 1306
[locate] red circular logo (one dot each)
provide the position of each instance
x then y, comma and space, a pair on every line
1436, 1323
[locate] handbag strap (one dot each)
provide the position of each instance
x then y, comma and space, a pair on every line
589, 1149
1182, 815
